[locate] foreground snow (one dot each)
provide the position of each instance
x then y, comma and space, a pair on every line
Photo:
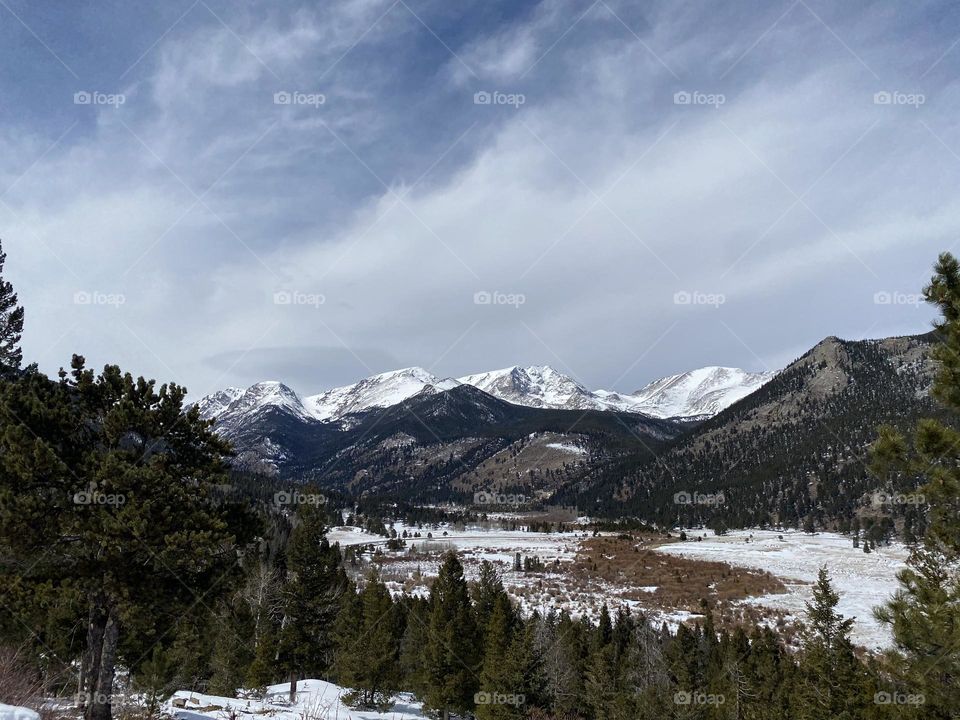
316, 700
12, 712
863, 580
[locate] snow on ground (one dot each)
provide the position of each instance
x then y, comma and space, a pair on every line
862, 580
12, 712
568, 447
316, 700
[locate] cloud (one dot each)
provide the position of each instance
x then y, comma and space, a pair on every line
791, 193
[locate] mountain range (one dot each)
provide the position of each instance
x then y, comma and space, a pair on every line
779, 447
697, 394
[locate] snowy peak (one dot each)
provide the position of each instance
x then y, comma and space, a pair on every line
379, 391
214, 404
699, 393
539, 386
695, 394
234, 406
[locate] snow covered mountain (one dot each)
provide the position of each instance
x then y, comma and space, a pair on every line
537, 386
698, 393
235, 405
695, 394
377, 391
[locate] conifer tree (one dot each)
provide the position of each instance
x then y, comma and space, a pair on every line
451, 656
316, 583
924, 615
11, 324
831, 674
368, 645
108, 482
497, 677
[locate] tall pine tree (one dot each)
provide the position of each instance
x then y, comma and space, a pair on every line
11, 324
924, 615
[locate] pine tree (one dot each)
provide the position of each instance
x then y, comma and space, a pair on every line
497, 677
413, 645
831, 674
11, 324
924, 615
109, 483
368, 645
316, 583
485, 592
451, 657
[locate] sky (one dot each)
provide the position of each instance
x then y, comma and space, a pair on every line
219, 192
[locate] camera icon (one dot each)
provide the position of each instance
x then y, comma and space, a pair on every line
682, 98
81, 297
282, 498
481, 698
682, 298
482, 98
82, 98
882, 298
282, 98
682, 498
882, 98
482, 298
282, 297
682, 698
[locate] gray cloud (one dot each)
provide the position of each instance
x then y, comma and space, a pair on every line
785, 186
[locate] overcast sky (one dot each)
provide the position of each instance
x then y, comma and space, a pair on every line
219, 192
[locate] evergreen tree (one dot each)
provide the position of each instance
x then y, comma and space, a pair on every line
831, 674
498, 679
485, 592
413, 645
451, 657
924, 615
368, 645
316, 583
11, 324
108, 483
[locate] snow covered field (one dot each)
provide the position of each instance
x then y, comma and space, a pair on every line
863, 580
316, 700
